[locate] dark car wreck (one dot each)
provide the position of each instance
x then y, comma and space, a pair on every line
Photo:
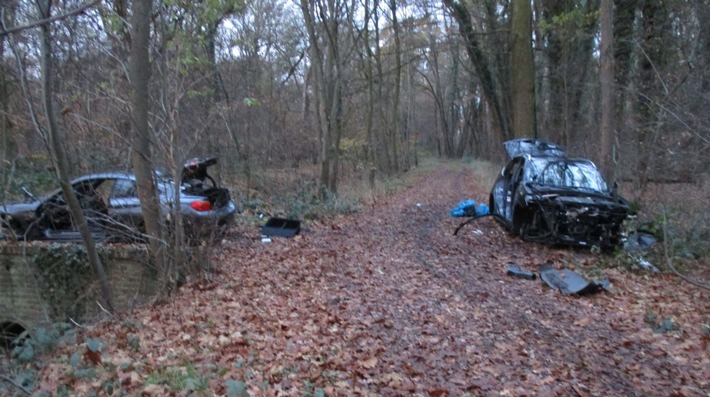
111, 206
544, 196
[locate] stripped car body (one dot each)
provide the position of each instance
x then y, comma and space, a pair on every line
112, 208
544, 196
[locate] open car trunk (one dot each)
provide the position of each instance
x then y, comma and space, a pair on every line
196, 181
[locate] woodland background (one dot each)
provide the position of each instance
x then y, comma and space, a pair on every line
303, 102
363, 87
296, 97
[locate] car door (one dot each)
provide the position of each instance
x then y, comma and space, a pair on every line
513, 181
124, 207
55, 215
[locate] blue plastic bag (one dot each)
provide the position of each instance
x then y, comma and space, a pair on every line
482, 209
464, 208
469, 208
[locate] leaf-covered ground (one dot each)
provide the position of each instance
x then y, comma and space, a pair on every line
388, 302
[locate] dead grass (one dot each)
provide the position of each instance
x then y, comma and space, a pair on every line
295, 191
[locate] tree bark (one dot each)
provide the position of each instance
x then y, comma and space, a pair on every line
7, 142
607, 103
623, 25
523, 71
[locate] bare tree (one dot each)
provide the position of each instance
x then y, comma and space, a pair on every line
323, 20
495, 96
58, 155
395, 116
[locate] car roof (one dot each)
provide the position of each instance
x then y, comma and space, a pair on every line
106, 175
532, 147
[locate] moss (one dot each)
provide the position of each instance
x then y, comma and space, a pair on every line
64, 276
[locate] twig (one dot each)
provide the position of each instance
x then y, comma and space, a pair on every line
18, 386
102, 308
75, 323
6, 31
669, 262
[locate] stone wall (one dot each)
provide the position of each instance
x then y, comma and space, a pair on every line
25, 300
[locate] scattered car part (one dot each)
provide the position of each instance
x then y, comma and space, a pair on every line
639, 241
281, 227
516, 271
569, 282
646, 265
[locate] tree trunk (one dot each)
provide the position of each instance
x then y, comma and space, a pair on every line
141, 157
394, 123
606, 77
652, 63
370, 113
523, 71
481, 65
326, 62
59, 158
623, 25
7, 142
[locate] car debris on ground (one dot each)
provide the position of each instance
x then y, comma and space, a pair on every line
563, 280
281, 227
569, 282
516, 271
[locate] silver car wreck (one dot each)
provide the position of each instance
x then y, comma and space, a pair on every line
112, 208
544, 196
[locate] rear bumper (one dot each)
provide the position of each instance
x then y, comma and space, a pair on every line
199, 224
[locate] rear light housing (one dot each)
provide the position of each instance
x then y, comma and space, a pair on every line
201, 205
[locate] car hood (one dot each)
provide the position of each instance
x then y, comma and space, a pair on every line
579, 196
533, 147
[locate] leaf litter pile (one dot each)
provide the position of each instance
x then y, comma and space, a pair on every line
388, 302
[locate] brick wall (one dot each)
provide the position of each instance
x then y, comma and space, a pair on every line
132, 280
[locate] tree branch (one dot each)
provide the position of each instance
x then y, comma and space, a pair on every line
79, 10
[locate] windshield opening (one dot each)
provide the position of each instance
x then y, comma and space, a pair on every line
571, 174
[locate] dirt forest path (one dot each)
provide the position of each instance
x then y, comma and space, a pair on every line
388, 302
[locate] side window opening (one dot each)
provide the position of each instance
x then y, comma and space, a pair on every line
123, 188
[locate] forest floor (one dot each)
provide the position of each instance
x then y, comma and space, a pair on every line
388, 302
